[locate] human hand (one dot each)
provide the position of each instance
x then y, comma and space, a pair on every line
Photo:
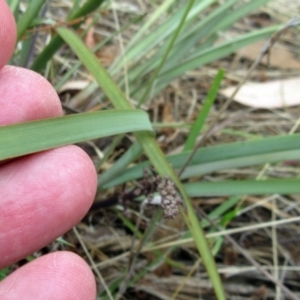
41, 195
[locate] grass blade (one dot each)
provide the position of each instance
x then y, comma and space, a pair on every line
167, 52
25, 138
208, 102
242, 187
56, 42
26, 19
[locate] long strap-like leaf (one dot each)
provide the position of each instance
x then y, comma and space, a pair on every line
151, 148
30, 137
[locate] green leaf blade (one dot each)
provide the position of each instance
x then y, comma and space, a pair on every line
25, 138
243, 187
27, 18
56, 42
208, 102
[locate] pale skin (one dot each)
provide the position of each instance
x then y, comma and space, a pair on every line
42, 195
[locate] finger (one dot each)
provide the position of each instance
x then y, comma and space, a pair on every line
26, 95
7, 33
43, 196
59, 275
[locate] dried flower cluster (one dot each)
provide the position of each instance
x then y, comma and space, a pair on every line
170, 197
151, 183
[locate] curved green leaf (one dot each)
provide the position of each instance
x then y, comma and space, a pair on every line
30, 137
